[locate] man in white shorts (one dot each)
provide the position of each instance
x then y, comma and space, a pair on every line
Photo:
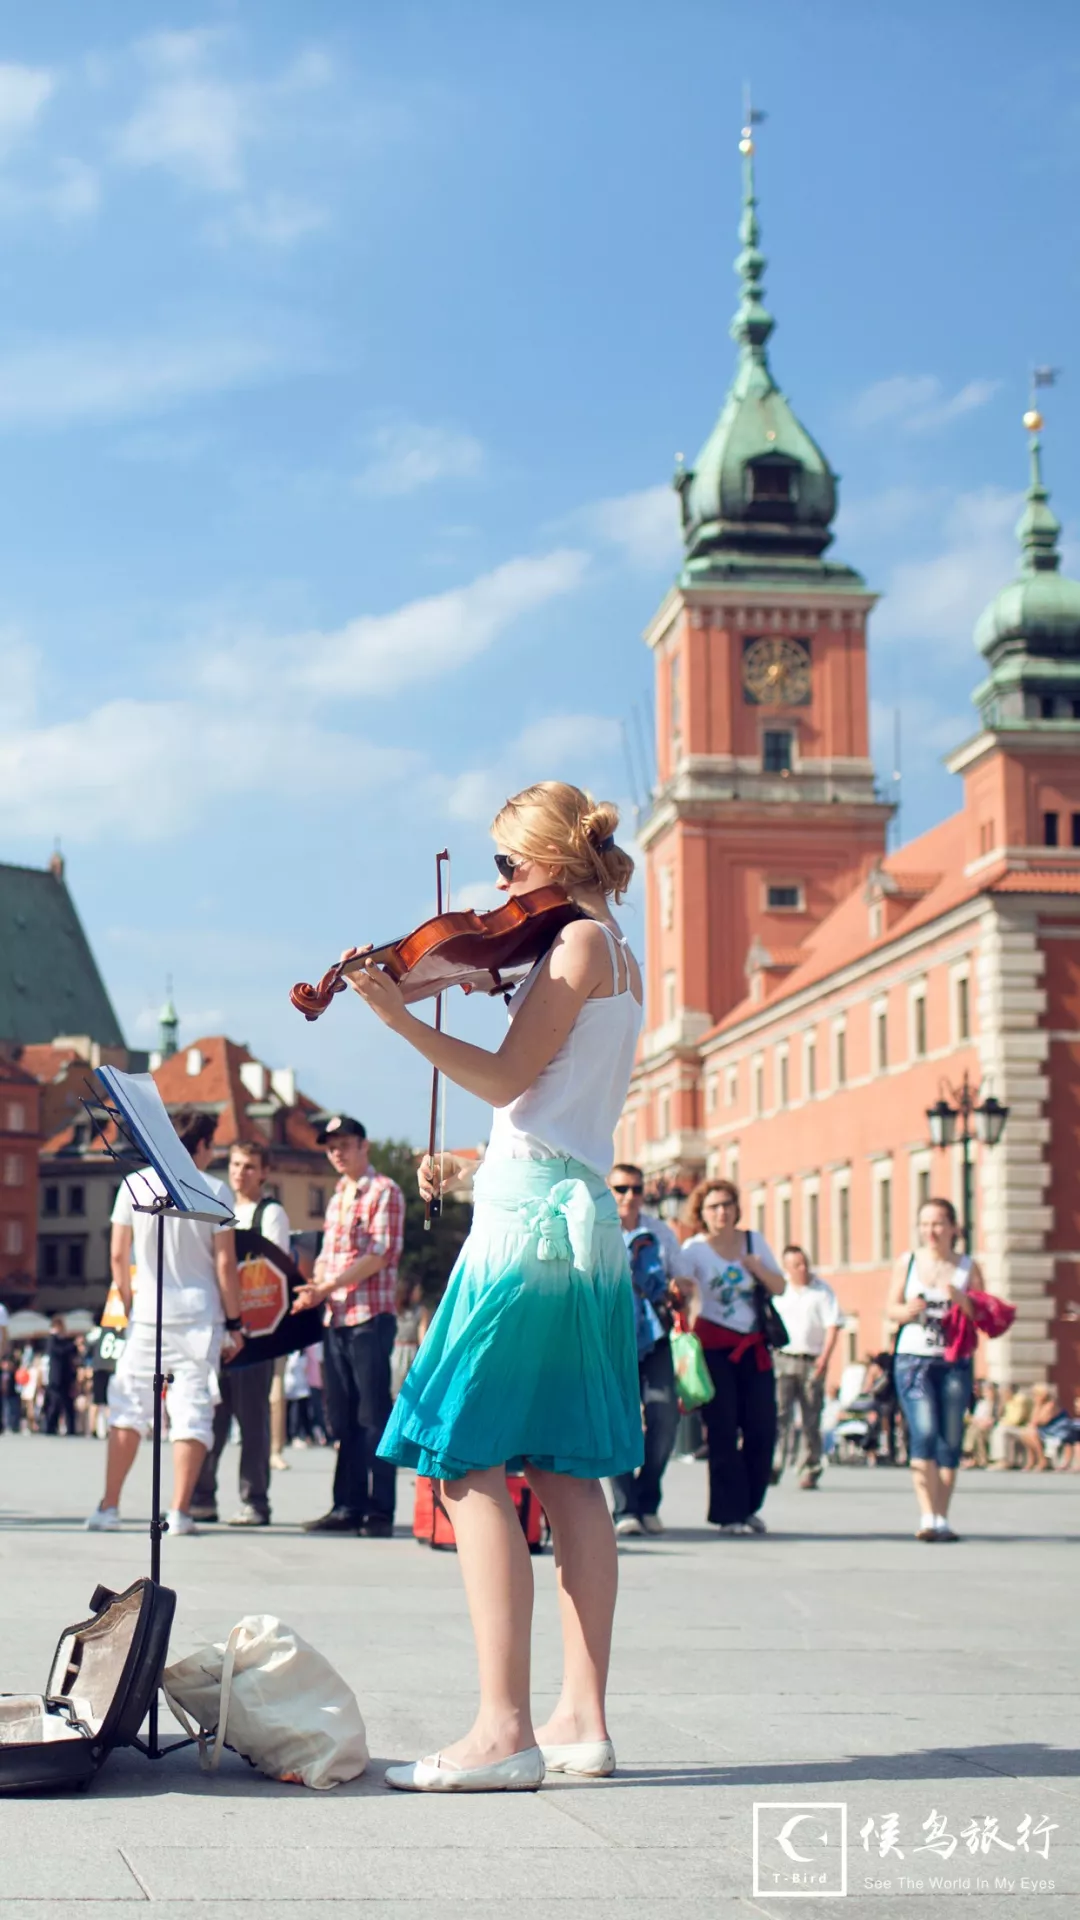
200, 1320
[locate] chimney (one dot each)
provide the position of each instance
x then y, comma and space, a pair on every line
283, 1081
56, 863
255, 1078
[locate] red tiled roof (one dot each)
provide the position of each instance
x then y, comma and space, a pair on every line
844, 937
218, 1084
1038, 881
783, 957
46, 1062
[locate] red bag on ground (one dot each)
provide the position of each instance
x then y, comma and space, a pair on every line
433, 1527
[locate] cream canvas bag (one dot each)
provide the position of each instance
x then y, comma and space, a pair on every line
275, 1700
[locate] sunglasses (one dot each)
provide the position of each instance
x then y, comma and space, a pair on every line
507, 865
627, 1189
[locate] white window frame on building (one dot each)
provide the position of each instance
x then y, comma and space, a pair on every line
13, 1238
784, 896
841, 1186
732, 1164
711, 1090
758, 1204
731, 1086
16, 1117
811, 1218
675, 703
785, 1225
664, 1114
666, 878
884, 1223
785, 758
879, 1016
757, 1084
14, 1170
810, 1064
960, 1003
783, 1076
921, 1185
918, 1021
670, 987
839, 1052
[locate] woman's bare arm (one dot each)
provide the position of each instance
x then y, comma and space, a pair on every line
578, 963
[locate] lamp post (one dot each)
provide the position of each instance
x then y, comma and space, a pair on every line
963, 1104
666, 1196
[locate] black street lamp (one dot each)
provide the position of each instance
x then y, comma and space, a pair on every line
667, 1196
962, 1105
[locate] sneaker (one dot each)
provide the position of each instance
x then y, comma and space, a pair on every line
652, 1523
207, 1516
628, 1525
180, 1522
755, 1523
808, 1482
104, 1520
735, 1526
247, 1517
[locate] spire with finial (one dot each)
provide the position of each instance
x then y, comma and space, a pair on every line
1038, 528
169, 1021
761, 493
752, 324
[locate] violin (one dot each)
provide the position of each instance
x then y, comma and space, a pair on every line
481, 952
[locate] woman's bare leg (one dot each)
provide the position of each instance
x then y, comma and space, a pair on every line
495, 1566
927, 1478
587, 1570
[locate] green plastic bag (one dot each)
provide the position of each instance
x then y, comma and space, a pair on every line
692, 1375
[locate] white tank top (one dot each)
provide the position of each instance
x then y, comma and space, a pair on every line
925, 1337
572, 1107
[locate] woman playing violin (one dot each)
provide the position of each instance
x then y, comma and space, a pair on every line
530, 1362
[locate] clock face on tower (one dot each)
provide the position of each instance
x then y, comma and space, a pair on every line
776, 672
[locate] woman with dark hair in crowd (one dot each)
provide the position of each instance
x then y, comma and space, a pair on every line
934, 1393
727, 1268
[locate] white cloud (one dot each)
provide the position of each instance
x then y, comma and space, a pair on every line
195, 127
142, 770
644, 525
406, 457
380, 654
276, 220
938, 599
57, 383
566, 746
24, 91
918, 403
197, 123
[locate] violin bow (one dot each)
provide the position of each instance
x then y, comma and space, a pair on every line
433, 1207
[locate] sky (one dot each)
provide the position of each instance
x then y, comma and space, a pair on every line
345, 352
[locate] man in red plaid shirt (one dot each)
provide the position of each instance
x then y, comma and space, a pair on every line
356, 1275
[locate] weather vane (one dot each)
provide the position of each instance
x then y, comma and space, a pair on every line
752, 117
1040, 377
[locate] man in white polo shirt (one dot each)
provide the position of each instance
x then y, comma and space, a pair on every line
811, 1313
200, 1321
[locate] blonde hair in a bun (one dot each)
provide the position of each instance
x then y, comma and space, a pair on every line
565, 828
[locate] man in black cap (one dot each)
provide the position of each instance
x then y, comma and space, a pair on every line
356, 1276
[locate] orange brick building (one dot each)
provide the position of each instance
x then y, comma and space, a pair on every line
808, 994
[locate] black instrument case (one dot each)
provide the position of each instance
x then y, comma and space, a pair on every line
104, 1676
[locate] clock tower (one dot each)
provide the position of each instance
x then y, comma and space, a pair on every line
765, 812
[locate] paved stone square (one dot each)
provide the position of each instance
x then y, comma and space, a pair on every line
834, 1663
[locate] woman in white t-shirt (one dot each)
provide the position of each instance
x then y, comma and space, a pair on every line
934, 1393
726, 1266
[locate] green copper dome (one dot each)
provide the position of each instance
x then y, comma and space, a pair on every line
760, 495
1030, 632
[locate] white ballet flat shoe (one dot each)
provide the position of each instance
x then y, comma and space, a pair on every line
590, 1759
520, 1773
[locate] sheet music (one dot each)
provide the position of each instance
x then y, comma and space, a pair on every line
143, 1113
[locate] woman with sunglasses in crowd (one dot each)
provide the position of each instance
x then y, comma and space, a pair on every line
531, 1359
726, 1268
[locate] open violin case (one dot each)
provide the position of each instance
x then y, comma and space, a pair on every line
105, 1673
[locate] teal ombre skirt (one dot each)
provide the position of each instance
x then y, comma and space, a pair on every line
532, 1356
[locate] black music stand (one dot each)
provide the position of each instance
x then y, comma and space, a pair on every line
135, 1107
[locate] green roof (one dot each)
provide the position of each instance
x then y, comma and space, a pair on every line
1030, 632
760, 497
49, 982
